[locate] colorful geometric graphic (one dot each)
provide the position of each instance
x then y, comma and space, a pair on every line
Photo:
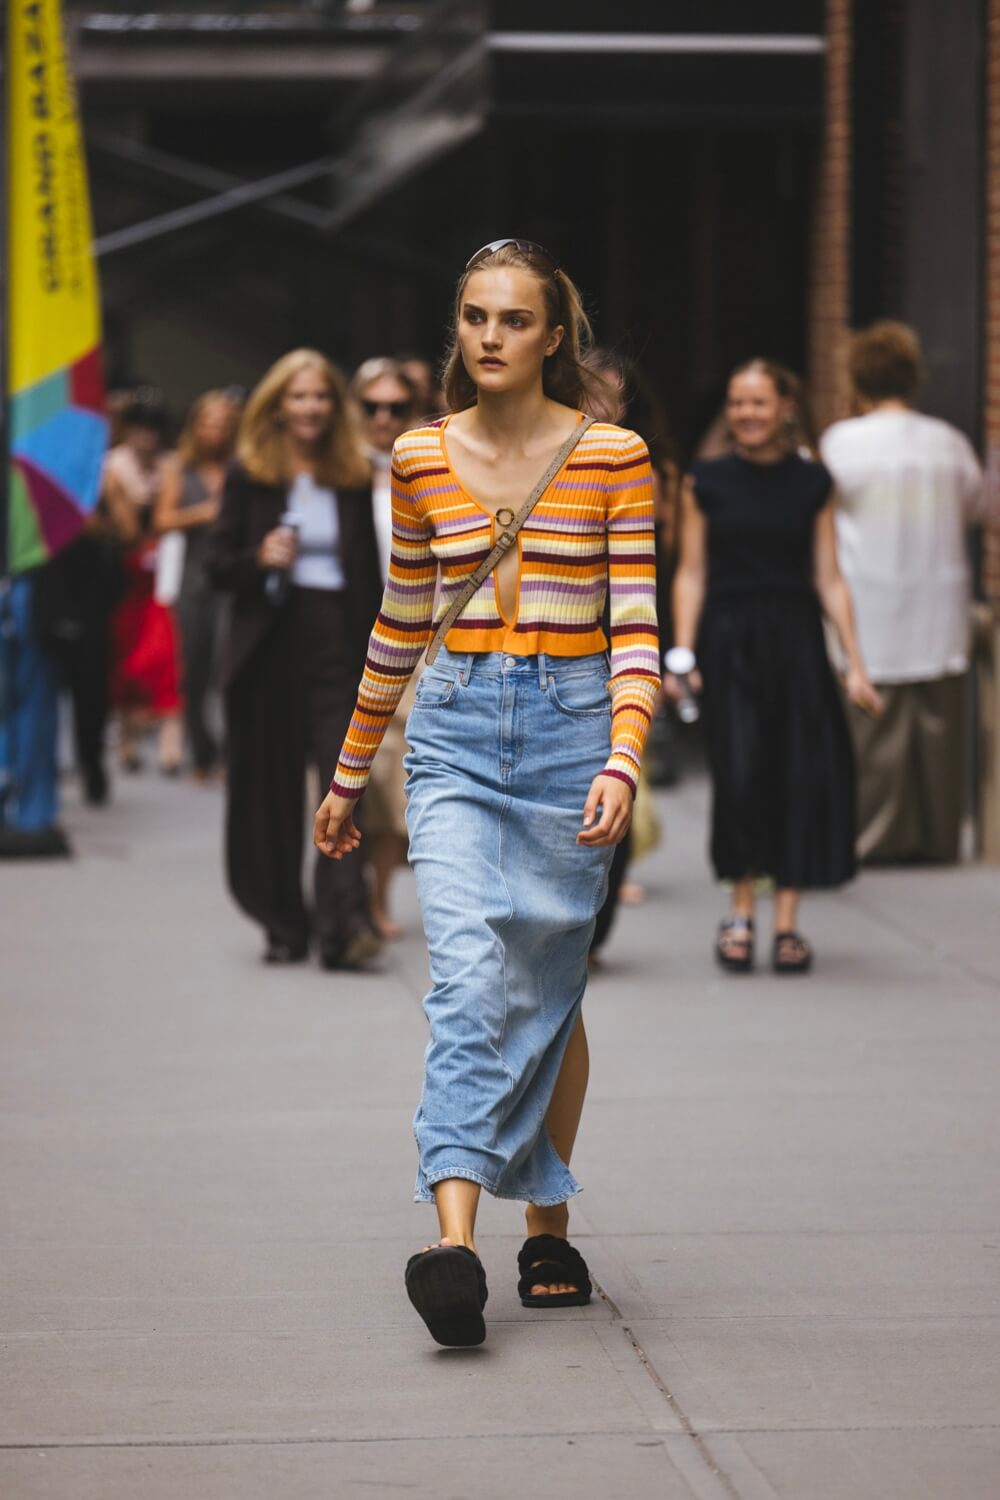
58, 432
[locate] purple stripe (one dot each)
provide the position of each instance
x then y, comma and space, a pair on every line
439, 489
405, 653
460, 523
394, 587
627, 484
549, 586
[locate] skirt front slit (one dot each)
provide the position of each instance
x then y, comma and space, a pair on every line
503, 752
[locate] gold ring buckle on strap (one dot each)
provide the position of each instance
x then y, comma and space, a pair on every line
504, 516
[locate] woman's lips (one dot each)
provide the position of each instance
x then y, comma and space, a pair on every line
493, 364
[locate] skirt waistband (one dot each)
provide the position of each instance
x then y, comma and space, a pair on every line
466, 664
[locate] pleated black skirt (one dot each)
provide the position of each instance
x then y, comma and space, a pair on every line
778, 744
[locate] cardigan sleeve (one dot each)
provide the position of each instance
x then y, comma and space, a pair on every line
635, 654
401, 632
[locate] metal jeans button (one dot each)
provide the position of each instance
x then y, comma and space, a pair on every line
510, 661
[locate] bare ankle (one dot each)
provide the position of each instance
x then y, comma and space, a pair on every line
550, 1220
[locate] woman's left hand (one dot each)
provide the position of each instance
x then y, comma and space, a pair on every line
862, 693
614, 798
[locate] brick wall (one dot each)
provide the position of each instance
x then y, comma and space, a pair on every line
991, 342
829, 289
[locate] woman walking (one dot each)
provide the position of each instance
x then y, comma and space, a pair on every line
525, 750
145, 668
758, 568
189, 503
295, 546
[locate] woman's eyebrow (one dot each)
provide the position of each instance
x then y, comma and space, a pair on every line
522, 312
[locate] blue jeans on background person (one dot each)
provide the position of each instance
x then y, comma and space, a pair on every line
29, 718
503, 752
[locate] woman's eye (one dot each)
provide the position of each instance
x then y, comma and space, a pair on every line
516, 322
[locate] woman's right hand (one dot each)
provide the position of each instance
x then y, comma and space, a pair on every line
277, 550
675, 690
334, 830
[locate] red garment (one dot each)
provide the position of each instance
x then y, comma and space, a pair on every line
145, 660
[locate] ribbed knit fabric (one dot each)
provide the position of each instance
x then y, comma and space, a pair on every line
591, 530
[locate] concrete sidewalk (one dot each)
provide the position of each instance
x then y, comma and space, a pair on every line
792, 1203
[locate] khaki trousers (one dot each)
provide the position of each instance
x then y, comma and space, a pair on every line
911, 772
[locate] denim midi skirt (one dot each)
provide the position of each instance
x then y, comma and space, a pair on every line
503, 750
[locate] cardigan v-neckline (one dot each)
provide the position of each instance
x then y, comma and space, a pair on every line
467, 494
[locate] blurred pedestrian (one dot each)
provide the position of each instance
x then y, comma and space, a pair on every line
429, 400
29, 723
626, 391
188, 503
523, 757
758, 568
294, 545
78, 594
145, 653
386, 397
908, 487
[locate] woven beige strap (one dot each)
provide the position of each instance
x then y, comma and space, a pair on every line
505, 540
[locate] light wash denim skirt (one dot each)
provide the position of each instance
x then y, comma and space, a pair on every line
503, 750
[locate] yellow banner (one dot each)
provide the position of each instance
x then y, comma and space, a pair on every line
53, 297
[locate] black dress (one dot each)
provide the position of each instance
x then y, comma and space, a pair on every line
778, 744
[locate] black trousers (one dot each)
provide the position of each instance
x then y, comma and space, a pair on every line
288, 709
198, 613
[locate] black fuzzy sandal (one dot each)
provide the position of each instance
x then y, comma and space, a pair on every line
447, 1286
546, 1260
791, 953
740, 929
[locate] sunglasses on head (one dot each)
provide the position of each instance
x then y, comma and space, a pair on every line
528, 248
395, 409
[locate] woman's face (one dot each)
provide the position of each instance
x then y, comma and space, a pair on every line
214, 428
387, 408
757, 415
144, 441
503, 329
307, 407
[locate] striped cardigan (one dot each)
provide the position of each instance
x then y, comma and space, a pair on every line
592, 529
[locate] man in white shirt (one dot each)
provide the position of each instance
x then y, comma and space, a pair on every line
908, 488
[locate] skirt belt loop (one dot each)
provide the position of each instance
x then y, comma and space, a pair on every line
543, 676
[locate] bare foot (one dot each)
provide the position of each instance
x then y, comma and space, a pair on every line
385, 926
445, 1243
632, 893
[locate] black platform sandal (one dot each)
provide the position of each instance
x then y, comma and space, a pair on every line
447, 1286
739, 929
546, 1260
791, 954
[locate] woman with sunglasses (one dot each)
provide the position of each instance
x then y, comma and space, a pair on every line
525, 748
387, 398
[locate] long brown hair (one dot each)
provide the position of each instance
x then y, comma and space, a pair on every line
187, 443
262, 446
565, 375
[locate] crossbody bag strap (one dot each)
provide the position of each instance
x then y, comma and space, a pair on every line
505, 540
